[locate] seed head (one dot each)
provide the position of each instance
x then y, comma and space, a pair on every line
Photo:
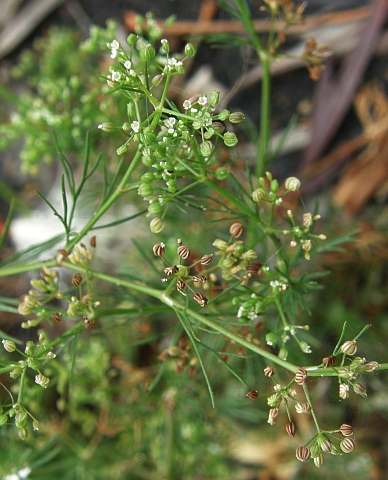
329, 361
206, 259
236, 230
303, 454
273, 415
269, 371
292, 184
300, 376
183, 251
290, 429
180, 286
56, 317
349, 347
201, 299
158, 249
76, 279
348, 445
346, 430
252, 394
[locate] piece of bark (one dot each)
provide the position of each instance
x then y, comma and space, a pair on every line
28, 18
334, 95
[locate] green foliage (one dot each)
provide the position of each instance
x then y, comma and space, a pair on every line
210, 308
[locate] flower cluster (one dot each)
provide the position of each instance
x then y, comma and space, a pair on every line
35, 356
183, 278
46, 290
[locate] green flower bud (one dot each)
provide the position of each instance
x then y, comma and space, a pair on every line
145, 190
206, 148
158, 80
9, 346
283, 353
223, 115
190, 50
222, 173
148, 53
3, 419
180, 68
258, 194
360, 389
165, 45
315, 451
156, 225
171, 185
292, 184
271, 338
132, 39
236, 117
107, 127
218, 127
21, 419
154, 208
23, 433
220, 244
230, 139
126, 126
148, 177
214, 98
121, 150
274, 186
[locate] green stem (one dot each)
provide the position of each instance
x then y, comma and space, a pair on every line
262, 158
313, 414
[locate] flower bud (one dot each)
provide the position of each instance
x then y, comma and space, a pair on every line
292, 184
258, 194
9, 346
145, 190
23, 433
221, 173
271, 338
121, 150
132, 39
156, 225
148, 53
223, 115
3, 419
165, 45
236, 117
107, 127
206, 148
42, 380
220, 244
190, 50
371, 366
214, 98
158, 80
218, 127
349, 347
230, 139
360, 389
154, 208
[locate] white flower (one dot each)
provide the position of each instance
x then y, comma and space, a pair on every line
128, 64
186, 104
116, 76
202, 100
135, 125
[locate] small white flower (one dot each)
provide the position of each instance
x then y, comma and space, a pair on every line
128, 64
135, 125
186, 104
202, 100
116, 76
